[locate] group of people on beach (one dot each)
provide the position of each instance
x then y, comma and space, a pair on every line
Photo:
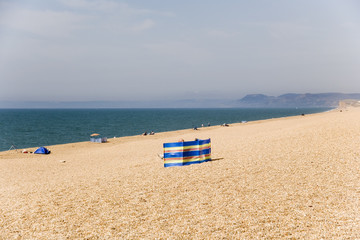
202, 125
150, 133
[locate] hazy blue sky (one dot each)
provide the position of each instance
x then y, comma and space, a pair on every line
79, 50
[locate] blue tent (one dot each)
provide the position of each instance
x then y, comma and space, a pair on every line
42, 150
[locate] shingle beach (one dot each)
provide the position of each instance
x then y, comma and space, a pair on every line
287, 178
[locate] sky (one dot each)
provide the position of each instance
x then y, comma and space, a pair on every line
140, 50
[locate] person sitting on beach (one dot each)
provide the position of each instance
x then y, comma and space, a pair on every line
152, 133
145, 133
195, 128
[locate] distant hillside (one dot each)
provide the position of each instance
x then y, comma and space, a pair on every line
349, 103
295, 100
249, 101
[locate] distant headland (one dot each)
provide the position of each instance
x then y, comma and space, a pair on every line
288, 100
296, 100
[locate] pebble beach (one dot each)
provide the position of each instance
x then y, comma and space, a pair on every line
287, 178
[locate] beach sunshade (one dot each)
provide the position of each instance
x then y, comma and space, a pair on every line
42, 150
94, 135
186, 153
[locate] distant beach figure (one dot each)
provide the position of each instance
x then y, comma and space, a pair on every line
208, 124
145, 133
202, 125
181, 140
152, 133
225, 125
195, 128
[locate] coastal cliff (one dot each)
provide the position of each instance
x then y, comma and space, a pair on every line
349, 103
296, 100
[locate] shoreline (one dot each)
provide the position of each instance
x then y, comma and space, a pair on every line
291, 177
33, 148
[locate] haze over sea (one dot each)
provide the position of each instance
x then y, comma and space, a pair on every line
26, 128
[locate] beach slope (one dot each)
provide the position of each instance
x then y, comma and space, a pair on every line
295, 177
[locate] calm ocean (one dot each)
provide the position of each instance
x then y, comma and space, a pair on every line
43, 127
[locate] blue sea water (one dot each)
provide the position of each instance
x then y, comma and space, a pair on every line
26, 128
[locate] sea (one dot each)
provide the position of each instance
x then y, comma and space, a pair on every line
25, 128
